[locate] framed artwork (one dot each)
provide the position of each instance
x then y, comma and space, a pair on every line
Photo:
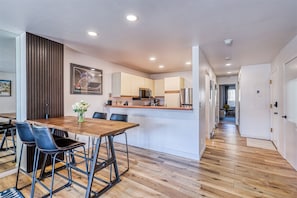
5, 87
85, 80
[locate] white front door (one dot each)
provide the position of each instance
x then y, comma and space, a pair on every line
290, 111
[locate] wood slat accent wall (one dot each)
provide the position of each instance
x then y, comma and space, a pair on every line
45, 84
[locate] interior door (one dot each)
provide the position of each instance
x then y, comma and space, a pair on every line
290, 111
274, 111
207, 106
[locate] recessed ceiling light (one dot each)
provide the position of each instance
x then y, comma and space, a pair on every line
131, 17
161, 66
229, 72
93, 69
228, 64
188, 63
90, 33
152, 58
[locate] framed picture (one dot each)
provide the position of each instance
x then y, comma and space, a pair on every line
5, 87
85, 80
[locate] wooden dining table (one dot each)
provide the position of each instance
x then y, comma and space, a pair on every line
7, 126
9, 116
98, 129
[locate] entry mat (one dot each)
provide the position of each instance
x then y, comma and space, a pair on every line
11, 193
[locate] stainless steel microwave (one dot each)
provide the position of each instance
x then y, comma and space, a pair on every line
144, 93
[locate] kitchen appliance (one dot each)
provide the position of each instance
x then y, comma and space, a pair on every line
144, 93
109, 102
186, 97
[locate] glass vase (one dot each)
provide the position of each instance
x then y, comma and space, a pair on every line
80, 117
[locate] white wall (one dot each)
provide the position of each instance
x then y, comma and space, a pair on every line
206, 111
8, 103
286, 138
96, 101
255, 101
227, 80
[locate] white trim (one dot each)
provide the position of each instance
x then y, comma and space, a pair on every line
202, 151
255, 137
9, 172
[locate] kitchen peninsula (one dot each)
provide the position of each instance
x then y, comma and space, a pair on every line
164, 129
151, 107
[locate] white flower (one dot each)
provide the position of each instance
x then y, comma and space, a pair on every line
80, 107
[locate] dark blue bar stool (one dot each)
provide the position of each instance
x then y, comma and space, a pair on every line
123, 118
26, 136
100, 115
46, 144
103, 116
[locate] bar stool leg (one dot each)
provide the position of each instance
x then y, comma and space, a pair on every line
86, 160
13, 141
42, 170
127, 154
35, 165
19, 164
53, 174
68, 166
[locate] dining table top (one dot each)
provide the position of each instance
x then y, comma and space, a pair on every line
90, 127
8, 115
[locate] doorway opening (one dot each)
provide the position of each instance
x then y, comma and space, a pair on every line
227, 103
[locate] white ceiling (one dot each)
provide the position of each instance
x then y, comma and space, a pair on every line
166, 29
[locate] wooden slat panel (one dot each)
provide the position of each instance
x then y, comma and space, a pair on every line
44, 77
45, 82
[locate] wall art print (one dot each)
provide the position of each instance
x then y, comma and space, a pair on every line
85, 80
5, 87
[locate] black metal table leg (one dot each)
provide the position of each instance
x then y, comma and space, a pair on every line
92, 168
95, 167
113, 156
3, 140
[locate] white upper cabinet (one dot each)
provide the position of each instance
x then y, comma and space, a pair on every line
136, 82
148, 83
124, 84
121, 84
173, 83
159, 87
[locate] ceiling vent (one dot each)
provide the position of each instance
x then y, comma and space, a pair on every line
228, 42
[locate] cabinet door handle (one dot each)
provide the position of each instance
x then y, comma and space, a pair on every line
275, 113
285, 116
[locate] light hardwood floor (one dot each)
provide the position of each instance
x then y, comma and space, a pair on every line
228, 168
7, 161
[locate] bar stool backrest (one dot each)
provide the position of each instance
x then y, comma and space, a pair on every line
119, 117
25, 132
100, 115
44, 139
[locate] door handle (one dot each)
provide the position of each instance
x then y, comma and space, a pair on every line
284, 116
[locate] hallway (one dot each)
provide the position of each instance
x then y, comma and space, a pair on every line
236, 170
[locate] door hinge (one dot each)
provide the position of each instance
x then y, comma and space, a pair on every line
271, 130
270, 81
